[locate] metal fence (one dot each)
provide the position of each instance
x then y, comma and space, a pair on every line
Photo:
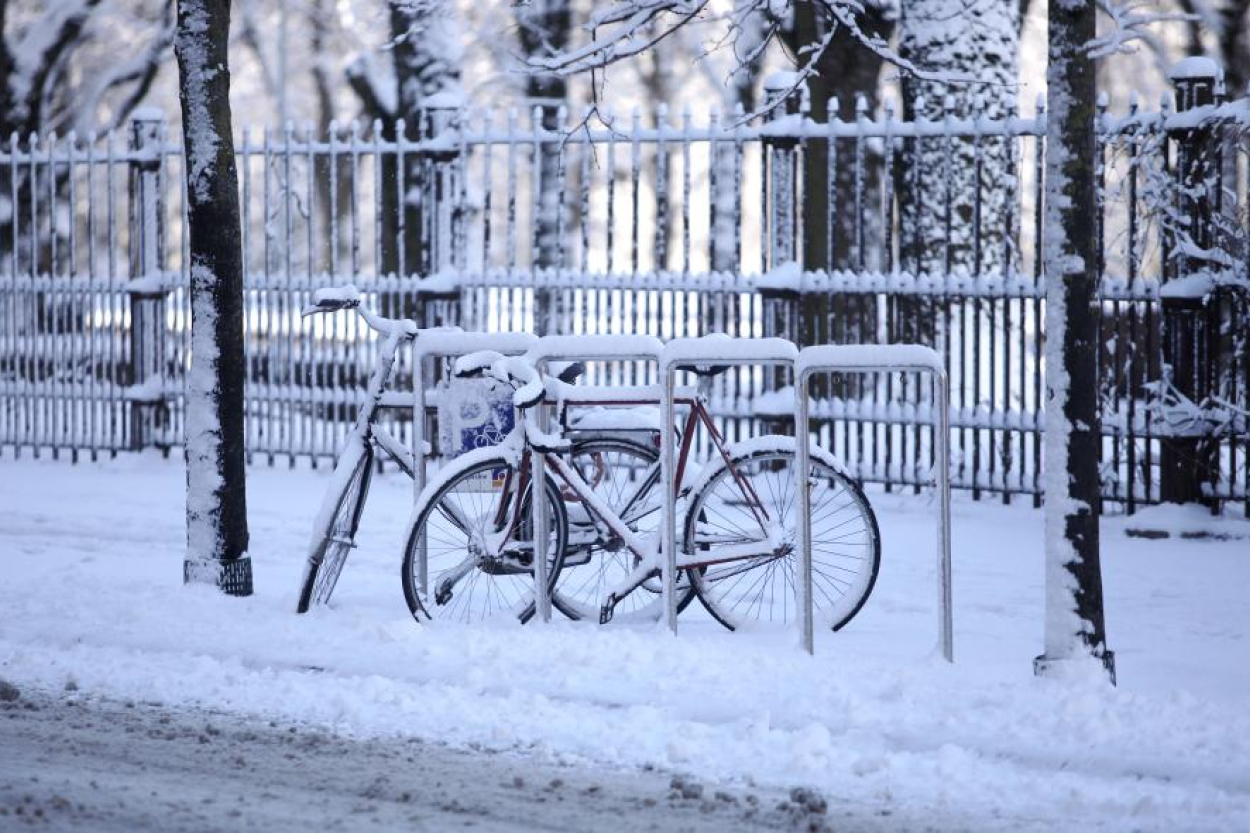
867, 229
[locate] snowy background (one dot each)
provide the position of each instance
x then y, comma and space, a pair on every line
91, 597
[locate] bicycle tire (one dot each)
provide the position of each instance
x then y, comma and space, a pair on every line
581, 589
846, 543
502, 591
335, 529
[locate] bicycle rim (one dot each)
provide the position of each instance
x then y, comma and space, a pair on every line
336, 539
845, 544
459, 585
624, 475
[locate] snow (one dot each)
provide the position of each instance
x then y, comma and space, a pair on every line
868, 357
720, 347
92, 595
201, 133
452, 341
347, 294
202, 445
594, 347
1195, 66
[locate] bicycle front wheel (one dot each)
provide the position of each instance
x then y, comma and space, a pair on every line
751, 503
334, 530
470, 554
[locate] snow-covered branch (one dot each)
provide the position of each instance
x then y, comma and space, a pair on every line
1130, 24
36, 55
139, 72
628, 28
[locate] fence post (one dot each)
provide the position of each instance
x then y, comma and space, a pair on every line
146, 289
1188, 462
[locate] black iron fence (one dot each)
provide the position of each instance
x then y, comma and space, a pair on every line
867, 229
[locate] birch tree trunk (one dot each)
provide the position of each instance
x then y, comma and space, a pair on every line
1074, 609
217, 534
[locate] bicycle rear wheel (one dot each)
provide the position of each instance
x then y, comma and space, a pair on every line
625, 475
460, 521
846, 545
334, 530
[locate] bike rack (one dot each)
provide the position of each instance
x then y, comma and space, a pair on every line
583, 348
874, 358
686, 353
446, 343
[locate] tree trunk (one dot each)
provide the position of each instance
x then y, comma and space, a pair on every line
1074, 609
739, 98
543, 29
217, 536
427, 74
848, 72
953, 194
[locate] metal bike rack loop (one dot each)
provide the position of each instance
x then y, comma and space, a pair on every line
582, 348
869, 359
716, 350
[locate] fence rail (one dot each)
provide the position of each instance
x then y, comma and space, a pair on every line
868, 229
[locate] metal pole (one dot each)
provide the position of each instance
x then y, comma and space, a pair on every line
418, 461
667, 475
941, 422
538, 469
945, 600
802, 483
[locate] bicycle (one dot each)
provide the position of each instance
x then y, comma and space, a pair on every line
338, 519
470, 550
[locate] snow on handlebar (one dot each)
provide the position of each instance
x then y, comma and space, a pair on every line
511, 370
347, 296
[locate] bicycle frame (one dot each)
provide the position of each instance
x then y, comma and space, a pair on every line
647, 552
365, 426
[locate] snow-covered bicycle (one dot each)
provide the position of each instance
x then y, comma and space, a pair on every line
470, 547
610, 462
334, 530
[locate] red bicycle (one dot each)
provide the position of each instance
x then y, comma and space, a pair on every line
470, 545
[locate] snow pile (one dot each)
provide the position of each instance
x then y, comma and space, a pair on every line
92, 595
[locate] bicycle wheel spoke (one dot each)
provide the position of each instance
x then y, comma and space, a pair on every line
460, 529
746, 588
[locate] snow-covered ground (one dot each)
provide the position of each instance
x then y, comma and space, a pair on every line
90, 593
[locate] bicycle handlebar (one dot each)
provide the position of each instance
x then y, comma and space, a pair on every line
335, 298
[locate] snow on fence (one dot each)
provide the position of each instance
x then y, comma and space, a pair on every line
869, 229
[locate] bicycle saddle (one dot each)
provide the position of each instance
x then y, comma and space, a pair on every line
568, 372
706, 370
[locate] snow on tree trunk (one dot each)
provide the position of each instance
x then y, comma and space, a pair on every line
748, 50
543, 27
217, 535
1074, 610
428, 53
940, 35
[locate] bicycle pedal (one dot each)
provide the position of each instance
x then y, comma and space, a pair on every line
443, 594
605, 612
